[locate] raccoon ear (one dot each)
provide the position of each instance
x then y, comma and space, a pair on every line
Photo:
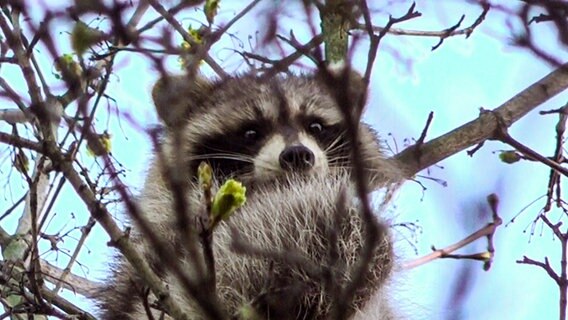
176, 97
340, 75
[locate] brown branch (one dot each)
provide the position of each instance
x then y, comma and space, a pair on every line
14, 96
118, 238
206, 300
372, 229
502, 135
67, 271
527, 39
283, 64
13, 116
422, 137
54, 274
218, 33
201, 51
70, 281
443, 34
554, 177
375, 40
13, 276
483, 128
544, 265
14, 39
487, 231
562, 279
20, 142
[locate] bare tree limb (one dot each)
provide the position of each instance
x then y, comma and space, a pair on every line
562, 278
416, 158
11, 275
449, 32
72, 282
487, 231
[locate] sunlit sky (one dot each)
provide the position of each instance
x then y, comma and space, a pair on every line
408, 82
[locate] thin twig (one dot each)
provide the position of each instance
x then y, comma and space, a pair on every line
562, 278
487, 231
443, 34
502, 135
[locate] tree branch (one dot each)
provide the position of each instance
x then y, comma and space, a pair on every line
487, 231
418, 157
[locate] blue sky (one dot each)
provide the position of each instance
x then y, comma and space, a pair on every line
454, 82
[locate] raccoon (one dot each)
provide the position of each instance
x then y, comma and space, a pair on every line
288, 252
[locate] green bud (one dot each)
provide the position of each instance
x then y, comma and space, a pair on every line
247, 312
230, 197
205, 175
211, 9
66, 67
185, 57
509, 157
82, 37
21, 162
485, 256
95, 150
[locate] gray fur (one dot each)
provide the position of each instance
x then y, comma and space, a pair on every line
285, 212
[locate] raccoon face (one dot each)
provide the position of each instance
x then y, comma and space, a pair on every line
273, 145
260, 130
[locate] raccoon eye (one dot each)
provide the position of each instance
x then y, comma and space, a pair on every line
315, 127
250, 134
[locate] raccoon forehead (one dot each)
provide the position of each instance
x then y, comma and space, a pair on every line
308, 97
277, 101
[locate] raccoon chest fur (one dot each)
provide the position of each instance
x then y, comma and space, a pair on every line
290, 251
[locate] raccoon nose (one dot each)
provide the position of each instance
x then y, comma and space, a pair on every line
296, 158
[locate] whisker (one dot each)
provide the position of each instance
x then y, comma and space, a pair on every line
334, 144
261, 164
221, 156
